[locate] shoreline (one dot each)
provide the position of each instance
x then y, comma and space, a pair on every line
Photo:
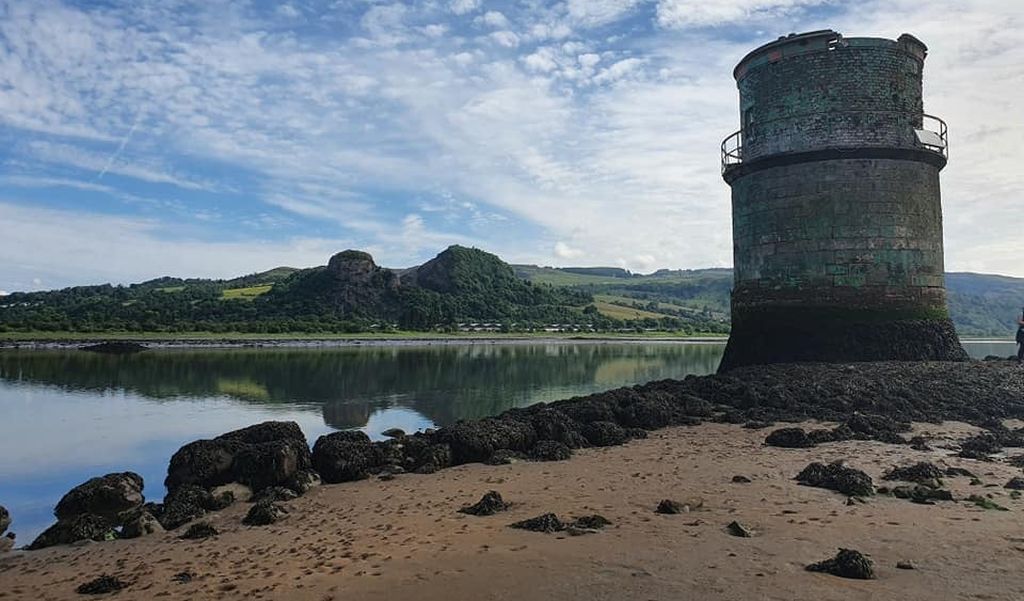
11, 341
384, 539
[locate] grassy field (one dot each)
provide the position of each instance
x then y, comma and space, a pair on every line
245, 293
608, 309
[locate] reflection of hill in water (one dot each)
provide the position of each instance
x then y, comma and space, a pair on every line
442, 383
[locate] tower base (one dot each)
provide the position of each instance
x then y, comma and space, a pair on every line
791, 335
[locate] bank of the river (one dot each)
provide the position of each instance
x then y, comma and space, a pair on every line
230, 339
404, 537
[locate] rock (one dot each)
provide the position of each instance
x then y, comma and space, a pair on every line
490, 504
274, 494
5, 519
789, 438
921, 494
552, 424
550, 450
506, 457
757, 425
738, 529
271, 463
591, 522
303, 481
846, 564
199, 530
986, 503
919, 472
670, 507
107, 496
864, 426
920, 443
1015, 483
959, 471
345, 456
604, 434
477, 441
835, 476
905, 565
184, 577
141, 523
268, 454
83, 527
190, 502
741, 480
102, 585
115, 348
393, 433
7, 542
422, 455
239, 492
980, 446
548, 523
264, 514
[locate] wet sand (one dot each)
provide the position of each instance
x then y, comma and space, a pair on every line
404, 538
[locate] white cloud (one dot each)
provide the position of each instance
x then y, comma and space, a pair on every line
564, 251
599, 12
493, 18
701, 13
461, 7
505, 38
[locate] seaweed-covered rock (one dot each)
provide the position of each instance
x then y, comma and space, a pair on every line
924, 495
106, 496
271, 463
835, 476
921, 472
552, 424
5, 519
477, 441
846, 564
82, 527
102, 585
789, 438
604, 434
421, 454
199, 531
591, 522
303, 481
550, 450
490, 504
189, 502
274, 494
393, 433
864, 426
506, 457
1015, 483
272, 453
345, 456
115, 348
140, 523
548, 523
264, 514
980, 446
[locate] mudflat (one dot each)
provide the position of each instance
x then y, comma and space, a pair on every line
403, 537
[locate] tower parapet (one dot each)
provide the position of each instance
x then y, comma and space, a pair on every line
837, 219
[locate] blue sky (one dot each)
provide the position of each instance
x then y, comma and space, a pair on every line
213, 138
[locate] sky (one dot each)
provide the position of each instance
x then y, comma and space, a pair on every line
214, 139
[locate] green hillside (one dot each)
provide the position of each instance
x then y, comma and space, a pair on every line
458, 289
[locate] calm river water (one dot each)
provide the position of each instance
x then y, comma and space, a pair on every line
70, 415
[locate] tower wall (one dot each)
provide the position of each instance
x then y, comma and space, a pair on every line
837, 219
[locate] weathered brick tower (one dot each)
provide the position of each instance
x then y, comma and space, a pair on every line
837, 221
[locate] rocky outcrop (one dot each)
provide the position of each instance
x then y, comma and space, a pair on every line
108, 496
94, 510
5, 519
266, 454
140, 523
346, 456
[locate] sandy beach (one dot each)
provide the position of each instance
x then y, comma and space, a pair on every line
377, 539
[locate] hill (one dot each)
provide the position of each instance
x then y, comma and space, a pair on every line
459, 288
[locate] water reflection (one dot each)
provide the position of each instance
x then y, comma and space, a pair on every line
70, 415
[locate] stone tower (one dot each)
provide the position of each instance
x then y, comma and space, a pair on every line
837, 221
